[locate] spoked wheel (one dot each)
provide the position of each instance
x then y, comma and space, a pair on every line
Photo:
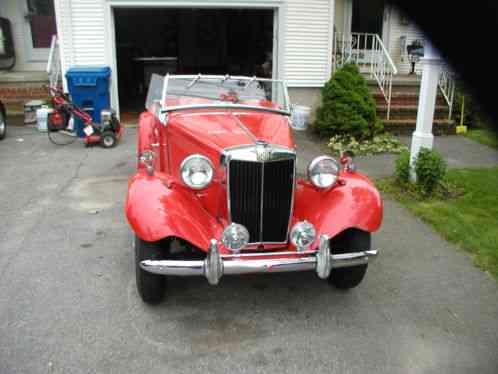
108, 139
60, 133
348, 241
3, 122
151, 287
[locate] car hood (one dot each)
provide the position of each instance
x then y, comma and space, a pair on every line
221, 129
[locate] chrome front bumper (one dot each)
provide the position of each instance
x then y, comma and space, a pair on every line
215, 265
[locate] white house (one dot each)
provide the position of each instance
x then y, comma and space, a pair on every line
296, 40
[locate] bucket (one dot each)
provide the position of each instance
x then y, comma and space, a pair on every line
42, 118
300, 117
30, 109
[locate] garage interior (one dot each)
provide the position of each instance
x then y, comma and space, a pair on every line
188, 41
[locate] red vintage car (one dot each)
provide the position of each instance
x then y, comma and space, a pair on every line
216, 191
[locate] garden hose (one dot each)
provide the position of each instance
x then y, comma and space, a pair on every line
62, 138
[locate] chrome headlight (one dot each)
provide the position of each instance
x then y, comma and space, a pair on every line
302, 235
196, 171
323, 171
235, 237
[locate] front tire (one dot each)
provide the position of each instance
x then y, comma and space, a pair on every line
151, 287
108, 139
348, 241
3, 122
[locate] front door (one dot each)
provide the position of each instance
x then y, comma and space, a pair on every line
368, 16
365, 19
40, 27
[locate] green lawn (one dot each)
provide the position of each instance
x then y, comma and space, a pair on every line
483, 136
470, 220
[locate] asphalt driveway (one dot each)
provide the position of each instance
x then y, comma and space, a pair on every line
68, 302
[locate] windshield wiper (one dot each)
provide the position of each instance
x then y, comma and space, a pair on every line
194, 81
225, 78
248, 84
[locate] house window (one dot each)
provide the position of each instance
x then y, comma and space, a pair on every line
41, 18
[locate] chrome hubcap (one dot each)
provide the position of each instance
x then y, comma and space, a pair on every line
108, 141
2, 124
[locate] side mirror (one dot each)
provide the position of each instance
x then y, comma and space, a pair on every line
300, 117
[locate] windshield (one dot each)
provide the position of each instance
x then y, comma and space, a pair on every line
182, 92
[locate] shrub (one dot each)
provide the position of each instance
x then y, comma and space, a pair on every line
385, 143
348, 107
430, 169
402, 171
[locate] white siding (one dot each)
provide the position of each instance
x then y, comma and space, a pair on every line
88, 33
397, 30
63, 19
307, 46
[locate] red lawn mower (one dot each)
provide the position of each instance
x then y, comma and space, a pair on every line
61, 123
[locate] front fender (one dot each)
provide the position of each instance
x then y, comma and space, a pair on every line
354, 203
157, 208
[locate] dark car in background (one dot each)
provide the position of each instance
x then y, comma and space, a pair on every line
3, 121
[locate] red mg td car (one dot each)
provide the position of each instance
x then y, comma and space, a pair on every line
216, 190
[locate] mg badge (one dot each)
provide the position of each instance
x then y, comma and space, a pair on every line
263, 151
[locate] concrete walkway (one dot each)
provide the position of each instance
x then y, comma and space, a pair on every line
68, 302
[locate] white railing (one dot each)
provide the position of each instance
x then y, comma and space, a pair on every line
447, 85
369, 53
54, 64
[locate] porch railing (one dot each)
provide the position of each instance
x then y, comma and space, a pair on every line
447, 84
54, 64
369, 53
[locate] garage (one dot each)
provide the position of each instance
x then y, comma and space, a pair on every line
189, 41
287, 39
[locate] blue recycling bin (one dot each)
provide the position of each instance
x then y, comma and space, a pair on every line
89, 89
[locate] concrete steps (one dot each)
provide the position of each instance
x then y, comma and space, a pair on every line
407, 126
404, 107
409, 111
403, 98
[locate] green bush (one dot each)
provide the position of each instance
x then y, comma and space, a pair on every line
402, 171
347, 107
430, 169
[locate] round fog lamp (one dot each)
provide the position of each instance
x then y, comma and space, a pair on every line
235, 237
302, 235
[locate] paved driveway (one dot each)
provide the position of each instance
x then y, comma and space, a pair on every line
68, 302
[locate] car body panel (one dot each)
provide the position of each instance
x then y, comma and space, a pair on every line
159, 207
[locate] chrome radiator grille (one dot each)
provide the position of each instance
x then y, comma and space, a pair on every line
261, 197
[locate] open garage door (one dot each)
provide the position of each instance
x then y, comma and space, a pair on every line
188, 41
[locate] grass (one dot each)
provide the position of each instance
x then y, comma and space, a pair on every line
483, 136
469, 220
